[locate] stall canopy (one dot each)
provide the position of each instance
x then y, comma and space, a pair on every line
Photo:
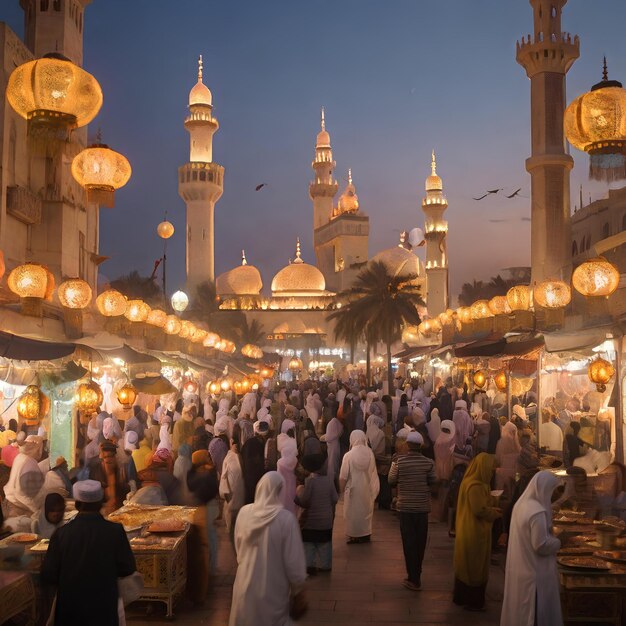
23, 349
501, 346
572, 341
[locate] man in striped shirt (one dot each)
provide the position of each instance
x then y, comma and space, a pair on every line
414, 474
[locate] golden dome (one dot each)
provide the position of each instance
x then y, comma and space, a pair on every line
399, 262
349, 201
243, 280
200, 93
434, 182
323, 138
298, 277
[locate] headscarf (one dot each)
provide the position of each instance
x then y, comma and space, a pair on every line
221, 426
518, 411
509, 442
463, 422
264, 509
374, 433
287, 425
32, 447
444, 450
108, 428
357, 438
418, 416
165, 439
130, 440
200, 457
434, 425
478, 473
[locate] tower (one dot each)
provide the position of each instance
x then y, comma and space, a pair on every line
436, 234
547, 56
200, 185
323, 188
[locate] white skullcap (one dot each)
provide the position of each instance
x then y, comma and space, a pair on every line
87, 491
415, 437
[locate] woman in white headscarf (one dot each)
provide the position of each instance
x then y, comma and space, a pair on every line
507, 454
334, 430
531, 585
165, 439
444, 450
285, 467
311, 408
434, 425
375, 434
463, 423
271, 568
359, 481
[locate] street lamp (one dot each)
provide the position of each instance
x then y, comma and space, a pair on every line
165, 230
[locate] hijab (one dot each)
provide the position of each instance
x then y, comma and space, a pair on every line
434, 425
537, 497
264, 509
509, 442
165, 439
374, 433
108, 428
130, 440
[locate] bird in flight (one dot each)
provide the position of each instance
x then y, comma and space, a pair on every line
259, 187
515, 193
489, 192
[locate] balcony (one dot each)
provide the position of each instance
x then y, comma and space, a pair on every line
23, 205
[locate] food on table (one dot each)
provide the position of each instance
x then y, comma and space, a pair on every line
583, 562
23, 538
166, 526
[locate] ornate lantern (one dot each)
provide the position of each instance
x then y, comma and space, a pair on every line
464, 313
552, 294
187, 329
126, 395
33, 405
137, 311
295, 363
266, 372
74, 294
480, 310
211, 340
33, 283
165, 229
480, 379
101, 171
89, 398
595, 123
519, 298
213, 387
430, 326
410, 334
226, 383
172, 325
596, 277
157, 318
498, 305
252, 351
600, 372
501, 380
111, 303
55, 96
190, 386
180, 301
446, 317
199, 335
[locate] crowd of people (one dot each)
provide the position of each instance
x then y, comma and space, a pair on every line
273, 463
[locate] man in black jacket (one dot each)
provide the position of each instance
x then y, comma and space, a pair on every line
84, 560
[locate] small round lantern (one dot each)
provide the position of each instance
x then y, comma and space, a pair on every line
552, 294
89, 398
187, 329
498, 305
266, 372
101, 171
226, 383
480, 310
596, 277
501, 380
165, 229
431, 326
33, 405
33, 283
295, 363
111, 303
600, 372
190, 386
137, 311
157, 318
480, 379
464, 313
180, 301
213, 387
211, 340
126, 395
74, 294
519, 298
172, 325
199, 335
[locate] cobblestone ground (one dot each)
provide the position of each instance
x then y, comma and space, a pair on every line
365, 585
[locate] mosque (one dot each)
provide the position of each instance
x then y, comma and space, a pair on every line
293, 313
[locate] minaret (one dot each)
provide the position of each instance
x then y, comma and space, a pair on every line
436, 234
547, 56
323, 188
200, 185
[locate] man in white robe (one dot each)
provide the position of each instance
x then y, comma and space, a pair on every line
25, 480
271, 567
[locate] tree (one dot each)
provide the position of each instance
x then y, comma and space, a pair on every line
381, 304
497, 286
252, 332
137, 287
206, 308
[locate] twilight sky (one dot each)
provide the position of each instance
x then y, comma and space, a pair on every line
397, 78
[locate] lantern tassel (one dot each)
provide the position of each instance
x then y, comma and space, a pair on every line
607, 167
49, 132
104, 196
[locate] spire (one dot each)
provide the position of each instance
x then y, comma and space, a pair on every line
605, 70
298, 258
323, 120
433, 164
244, 261
349, 176
433, 182
200, 68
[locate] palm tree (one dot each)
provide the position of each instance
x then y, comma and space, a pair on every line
206, 308
252, 332
135, 286
470, 292
382, 304
346, 328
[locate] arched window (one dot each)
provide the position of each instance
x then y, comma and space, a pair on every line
606, 230
574, 249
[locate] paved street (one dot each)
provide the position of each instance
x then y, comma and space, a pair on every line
365, 585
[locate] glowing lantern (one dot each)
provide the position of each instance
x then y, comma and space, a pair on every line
137, 311
445, 318
295, 363
157, 318
33, 405
552, 294
180, 301
596, 277
172, 325
480, 379
74, 294
430, 326
199, 335
190, 386
31, 280
498, 305
89, 397
252, 351
410, 334
600, 372
187, 329
213, 387
211, 340
500, 380
464, 313
226, 383
519, 298
126, 395
266, 372
54, 95
480, 310
111, 303
165, 229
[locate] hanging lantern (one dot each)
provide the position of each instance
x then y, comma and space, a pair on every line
157, 318
111, 303
498, 305
266, 372
172, 325
600, 372
187, 329
180, 301
480, 379
137, 311
596, 277
595, 123
519, 298
199, 335
213, 387
74, 293
252, 351
33, 405
464, 313
101, 171
480, 310
55, 96
226, 383
126, 395
89, 398
190, 386
33, 283
410, 334
211, 340
165, 229
552, 294
295, 363
445, 318
501, 380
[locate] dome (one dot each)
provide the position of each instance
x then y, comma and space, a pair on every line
244, 280
349, 201
200, 93
434, 182
400, 262
298, 277
323, 139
